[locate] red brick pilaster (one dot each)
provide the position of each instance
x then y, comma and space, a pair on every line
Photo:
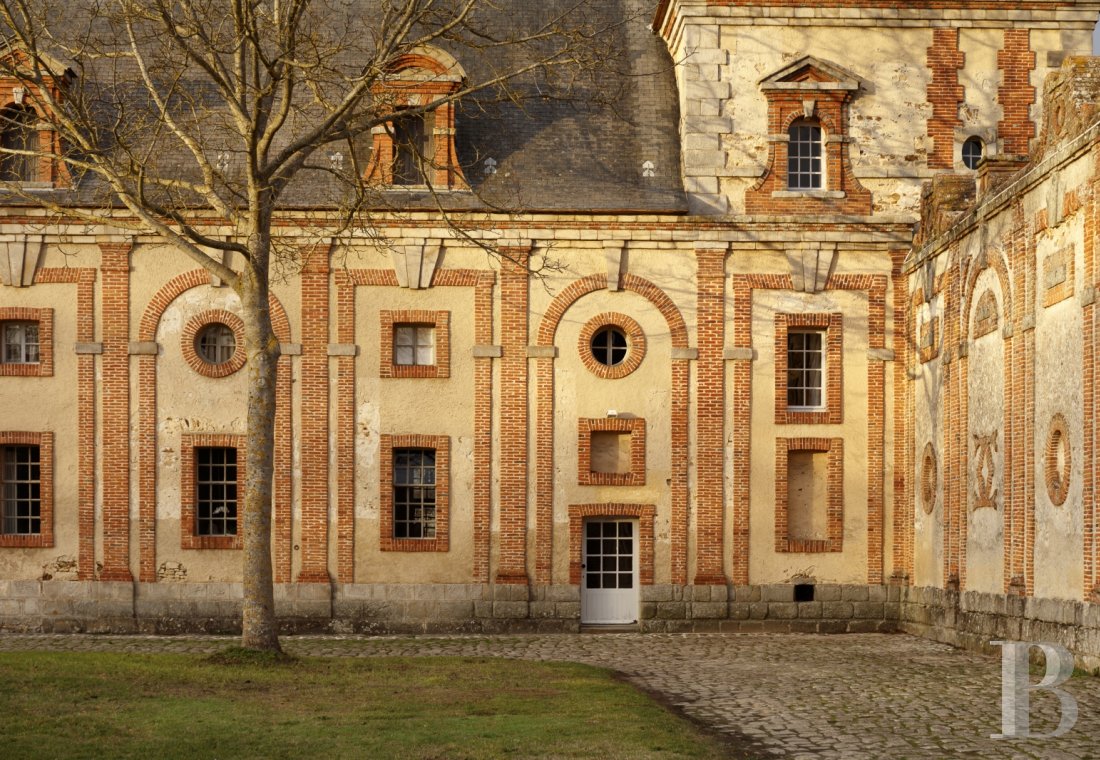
903, 503
515, 297
710, 422
483, 425
115, 268
1091, 405
956, 445
345, 432
1016, 94
876, 433
315, 401
945, 94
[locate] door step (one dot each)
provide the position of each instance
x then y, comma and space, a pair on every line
621, 628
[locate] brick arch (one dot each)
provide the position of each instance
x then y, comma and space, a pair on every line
147, 430
544, 421
827, 124
998, 265
579, 288
180, 284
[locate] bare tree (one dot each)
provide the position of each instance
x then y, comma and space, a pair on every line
195, 120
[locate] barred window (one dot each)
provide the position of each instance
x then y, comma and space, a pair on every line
216, 491
20, 343
609, 345
216, 343
414, 495
21, 474
804, 156
414, 345
805, 369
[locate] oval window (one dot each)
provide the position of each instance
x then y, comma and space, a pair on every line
973, 150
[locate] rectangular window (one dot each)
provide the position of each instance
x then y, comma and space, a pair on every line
804, 157
215, 491
805, 369
414, 493
414, 345
20, 342
21, 473
411, 150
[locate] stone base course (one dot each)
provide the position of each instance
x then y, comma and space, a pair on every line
968, 619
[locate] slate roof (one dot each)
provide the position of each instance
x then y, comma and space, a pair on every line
581, 154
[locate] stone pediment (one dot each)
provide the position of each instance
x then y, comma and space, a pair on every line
809, 73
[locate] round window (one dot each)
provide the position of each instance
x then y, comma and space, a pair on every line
973, 150
609, 346
216, 343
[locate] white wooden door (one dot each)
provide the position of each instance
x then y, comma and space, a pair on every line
609, 572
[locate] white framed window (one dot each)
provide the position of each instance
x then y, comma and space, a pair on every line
21, 490
414, 345
414, 493
805, 369
20, 342
805, 152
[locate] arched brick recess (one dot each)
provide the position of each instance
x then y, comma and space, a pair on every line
147, 429
544, 424
977, 266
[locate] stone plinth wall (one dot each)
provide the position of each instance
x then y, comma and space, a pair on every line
972, 619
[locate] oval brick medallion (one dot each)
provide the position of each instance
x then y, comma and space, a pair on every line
928, 478
1057, 461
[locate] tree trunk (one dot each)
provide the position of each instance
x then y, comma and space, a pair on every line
259, 627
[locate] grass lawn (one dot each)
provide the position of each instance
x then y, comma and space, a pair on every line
69, 705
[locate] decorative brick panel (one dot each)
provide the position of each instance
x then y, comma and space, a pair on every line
441, 444
986, 318
1059, 278
635, 349
1016, 94
439, 320
832, 390
635, 427
834, 506
646, 514
929, 479
946, 95
189, 539
44, 318
190, 333
45, 537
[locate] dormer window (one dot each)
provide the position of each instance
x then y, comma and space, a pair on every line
809, 162
412, 154
418, 149
804, 156
18, 144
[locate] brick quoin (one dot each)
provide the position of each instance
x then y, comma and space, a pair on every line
1016, 95
314, 437
711, 410
115, 273
945, 94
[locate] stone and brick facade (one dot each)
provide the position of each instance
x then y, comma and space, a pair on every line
949, 467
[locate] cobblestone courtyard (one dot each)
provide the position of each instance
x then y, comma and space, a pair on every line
797, 696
